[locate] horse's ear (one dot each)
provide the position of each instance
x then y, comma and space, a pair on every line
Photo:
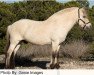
83, 8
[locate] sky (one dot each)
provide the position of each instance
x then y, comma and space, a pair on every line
63, 1
90, 1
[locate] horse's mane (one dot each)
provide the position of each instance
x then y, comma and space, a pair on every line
66, 10
71, 9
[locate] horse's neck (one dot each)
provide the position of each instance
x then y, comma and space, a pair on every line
64, 21
69, 23
70, 20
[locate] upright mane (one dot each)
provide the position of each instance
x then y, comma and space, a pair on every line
63, 11
67, 10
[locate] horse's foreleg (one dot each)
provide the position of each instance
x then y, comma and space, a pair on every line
51, 65
54, 59
57, 57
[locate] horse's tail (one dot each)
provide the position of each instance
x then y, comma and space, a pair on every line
7, 43
7, 39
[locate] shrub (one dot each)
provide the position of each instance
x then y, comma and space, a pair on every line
74, 49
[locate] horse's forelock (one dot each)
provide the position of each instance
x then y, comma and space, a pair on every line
84, 10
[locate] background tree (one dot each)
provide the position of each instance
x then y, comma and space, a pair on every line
41, 10
83, 3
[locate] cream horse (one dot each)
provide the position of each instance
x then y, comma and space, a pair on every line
51, 31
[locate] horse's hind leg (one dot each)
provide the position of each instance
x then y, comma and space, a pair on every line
12, 61
12, 46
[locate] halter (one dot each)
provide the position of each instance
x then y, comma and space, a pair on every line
79, 19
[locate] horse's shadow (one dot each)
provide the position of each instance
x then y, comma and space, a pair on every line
2, 65
29, 63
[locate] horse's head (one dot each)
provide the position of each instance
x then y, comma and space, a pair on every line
83, 19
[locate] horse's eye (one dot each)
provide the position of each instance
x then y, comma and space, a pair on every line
84, 16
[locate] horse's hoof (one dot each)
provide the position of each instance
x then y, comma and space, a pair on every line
57, 66
50, 66
9, 67
12, 67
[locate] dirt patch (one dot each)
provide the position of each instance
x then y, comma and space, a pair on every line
66, 63
40, 63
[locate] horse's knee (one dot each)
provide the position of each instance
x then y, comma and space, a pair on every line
55, 50
55, 55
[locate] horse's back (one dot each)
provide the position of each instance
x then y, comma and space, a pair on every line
30, 30
18, 28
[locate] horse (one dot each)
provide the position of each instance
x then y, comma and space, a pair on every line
50, 31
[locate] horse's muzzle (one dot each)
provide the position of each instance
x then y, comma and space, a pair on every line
87, 26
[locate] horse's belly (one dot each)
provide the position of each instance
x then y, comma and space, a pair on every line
38, 40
